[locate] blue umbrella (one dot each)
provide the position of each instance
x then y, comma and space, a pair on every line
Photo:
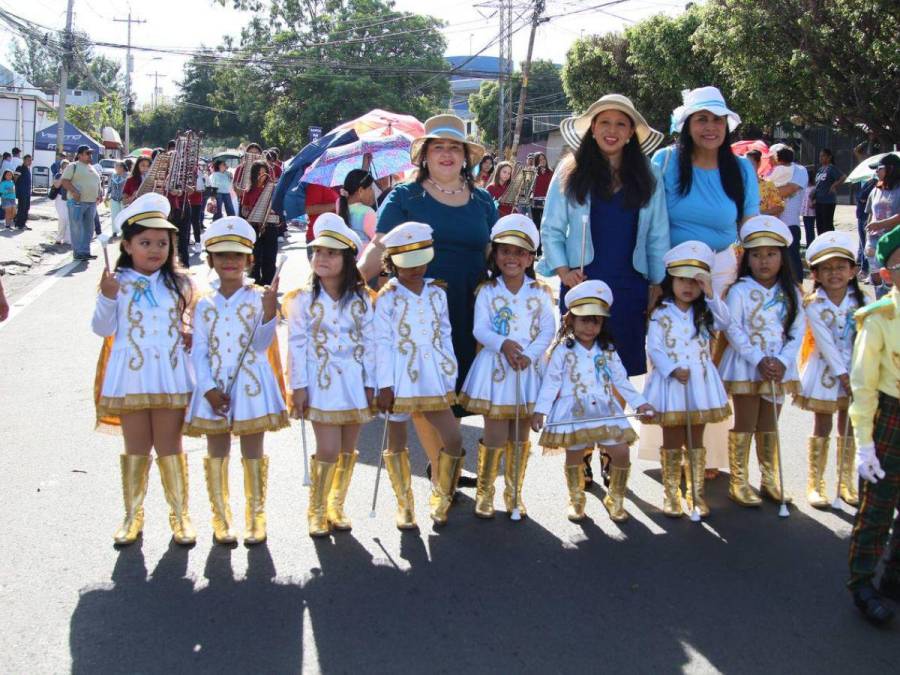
389, 155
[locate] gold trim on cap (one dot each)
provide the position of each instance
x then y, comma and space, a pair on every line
831, 252
393, 250
146, 215
338, 237
589, 301
688, 263
229, 237
765, 234
514, 233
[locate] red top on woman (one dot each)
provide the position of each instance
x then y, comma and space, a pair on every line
542, 183
496, 191
131, 186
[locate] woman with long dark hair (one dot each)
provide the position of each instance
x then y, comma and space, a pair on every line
605, 212
355, 204
542, 178
138, 171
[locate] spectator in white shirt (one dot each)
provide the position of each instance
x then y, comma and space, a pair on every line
790, 179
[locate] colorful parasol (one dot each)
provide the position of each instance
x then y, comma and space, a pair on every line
389, 155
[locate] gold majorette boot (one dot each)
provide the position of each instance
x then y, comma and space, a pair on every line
135, 473
847, 458
575, 483
256, 485
342, 475
614, 501
670, 460
815, 480
173, 470
738, 466
767, 455
448, 470
698, 460
488, 468
322, 474
515, 483
216, 470
397, 464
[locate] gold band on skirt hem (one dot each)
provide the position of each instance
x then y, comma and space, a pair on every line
760, 388
424, 403
200, 426
480, 406
818, 405
555, 443
679, 418
339, 417
109, 406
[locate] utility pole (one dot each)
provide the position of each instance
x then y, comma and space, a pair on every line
129, 67
64, 80
504, 80
526, 69
500, 86
156, 90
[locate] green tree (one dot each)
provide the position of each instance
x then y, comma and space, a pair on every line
596, 65
34, 61
39, 61
92, 118
829, 62
545, 94
204, 98
154, 127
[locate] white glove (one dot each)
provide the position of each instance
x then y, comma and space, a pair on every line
867, 464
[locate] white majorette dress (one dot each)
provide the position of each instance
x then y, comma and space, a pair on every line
757, 313
581, 383
526, 317
222, 328
828, 345
331, 352
143, 363
673, 341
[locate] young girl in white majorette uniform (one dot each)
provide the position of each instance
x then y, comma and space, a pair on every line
144, 380
331, 366
825, 360
684, 382
236, 319
764, 337
416, 367
580, 383
514, 324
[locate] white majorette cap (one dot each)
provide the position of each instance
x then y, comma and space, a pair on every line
703, 98
765, 231
589, 298
231, 233
689, 259
410, 244
149, 210
331, 231
832, 245
517, 230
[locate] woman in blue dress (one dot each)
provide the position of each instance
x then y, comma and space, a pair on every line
461, 216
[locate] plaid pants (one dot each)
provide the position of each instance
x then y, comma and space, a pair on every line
879, 502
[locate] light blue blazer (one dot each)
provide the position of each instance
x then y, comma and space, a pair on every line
561, 232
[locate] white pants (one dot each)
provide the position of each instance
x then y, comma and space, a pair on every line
62, 230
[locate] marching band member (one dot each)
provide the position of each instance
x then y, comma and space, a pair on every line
331, 366
875, 412
581, 381
825, 359
684, 384
514, 323
143, 379
767, 325
239, 387
416, 366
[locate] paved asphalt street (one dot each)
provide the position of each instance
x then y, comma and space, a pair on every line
745, 592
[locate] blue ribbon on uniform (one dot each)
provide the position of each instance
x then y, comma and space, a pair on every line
601, 366
500, 321
142, 289
777, 299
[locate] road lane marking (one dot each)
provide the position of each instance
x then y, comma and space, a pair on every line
17, 307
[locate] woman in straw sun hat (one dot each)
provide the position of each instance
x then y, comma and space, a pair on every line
443, 195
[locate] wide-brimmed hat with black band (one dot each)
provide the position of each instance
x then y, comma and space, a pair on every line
574, 128
447, 128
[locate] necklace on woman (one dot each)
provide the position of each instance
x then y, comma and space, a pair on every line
447, 192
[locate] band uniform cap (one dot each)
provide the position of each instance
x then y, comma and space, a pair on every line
689, 259
832, 245
589, 298
229, 234
149, 210
516, 229
330, 231
765, 231
574, 128
703, 98
410, 244
888, 243
449, 128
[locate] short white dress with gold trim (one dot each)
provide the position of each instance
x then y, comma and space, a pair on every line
331, 353
222, 329
143, 363
414, 350
526, 317
826, 353
673, 342
756, 331
582, 383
